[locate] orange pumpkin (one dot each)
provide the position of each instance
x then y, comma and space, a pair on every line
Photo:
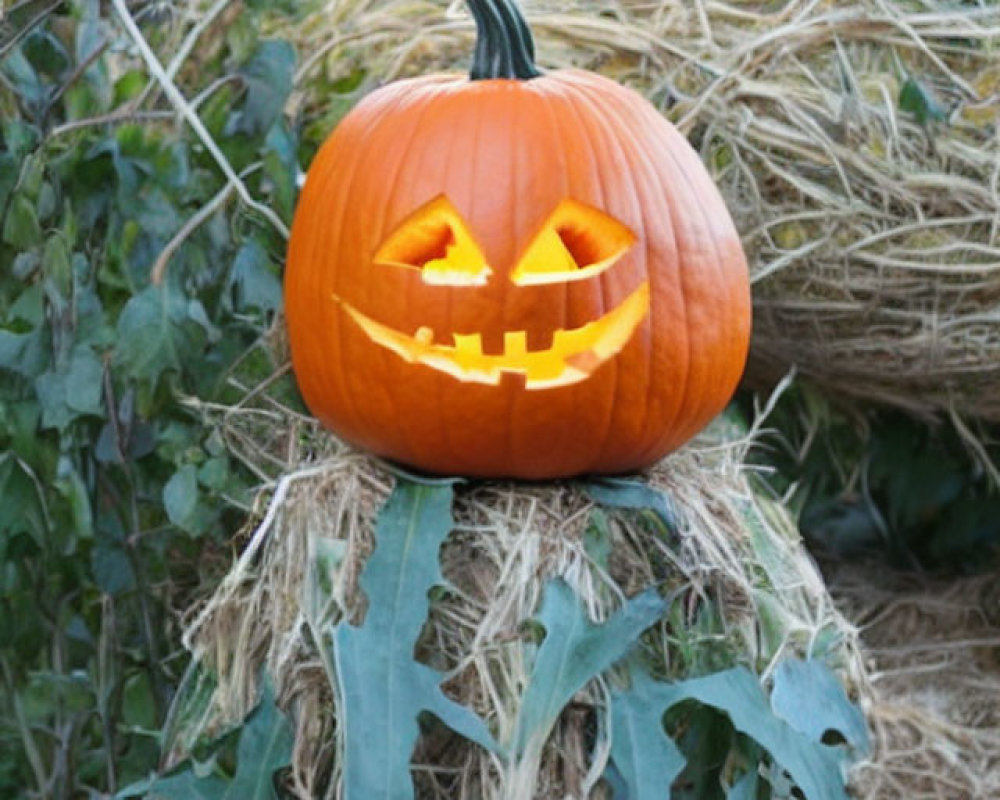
514, 274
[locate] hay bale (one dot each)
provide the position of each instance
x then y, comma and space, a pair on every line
873, 231
934, 650
750, 594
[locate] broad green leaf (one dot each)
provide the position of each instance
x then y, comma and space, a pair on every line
808, 696
647, 760
180, 495
155, 333
23, 78
745, 787
575, 651
814, 767
186, 784
72, 392
630, 494
20, 226
381, 689
139, 702
109, 563
252, 284
265, 747
268, 77
23, 353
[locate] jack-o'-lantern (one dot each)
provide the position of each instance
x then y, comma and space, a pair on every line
514, 274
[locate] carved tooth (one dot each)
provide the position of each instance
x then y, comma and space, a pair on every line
468, 345
515, 344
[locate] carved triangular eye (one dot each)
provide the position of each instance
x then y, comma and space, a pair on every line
435, 240
574, 243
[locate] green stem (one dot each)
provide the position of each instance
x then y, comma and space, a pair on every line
504, 47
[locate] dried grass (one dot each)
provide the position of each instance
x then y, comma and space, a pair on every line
736, 555
933, 648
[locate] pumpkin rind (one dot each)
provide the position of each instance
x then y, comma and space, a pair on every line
506, 153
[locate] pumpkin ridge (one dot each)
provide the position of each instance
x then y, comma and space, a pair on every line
699, 187
573, 95
426, 103
694, 414
686, 399
616, 135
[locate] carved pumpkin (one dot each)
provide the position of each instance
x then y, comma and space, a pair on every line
514, 274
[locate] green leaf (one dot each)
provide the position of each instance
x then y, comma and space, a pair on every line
185, 784
634, 495
573, 652
71, 392
109, 563
252, 284
155, 333
745, 788
381, 689
814, 767
20, 227
23, 353
265, 747
808, 697
920, 100
646, 758
180, 495
268, 77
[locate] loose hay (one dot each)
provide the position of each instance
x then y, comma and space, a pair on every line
934, 648
874, 239
736, 560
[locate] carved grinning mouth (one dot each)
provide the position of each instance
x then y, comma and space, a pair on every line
575, 353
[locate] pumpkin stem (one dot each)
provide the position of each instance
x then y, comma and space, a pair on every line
504, 47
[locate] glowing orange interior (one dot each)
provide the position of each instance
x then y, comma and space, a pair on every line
575, 242
573, 356
435, 240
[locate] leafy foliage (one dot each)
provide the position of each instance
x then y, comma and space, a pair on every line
879, 481
648, 761
381, 689
264, 746
115, 496
574, 652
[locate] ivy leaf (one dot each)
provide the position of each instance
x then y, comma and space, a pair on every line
71, 392
181, 499
252, 284
23, 509
155, 333
21, 228
573, 652
381, 689
808, 697
814, 767
268, 77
